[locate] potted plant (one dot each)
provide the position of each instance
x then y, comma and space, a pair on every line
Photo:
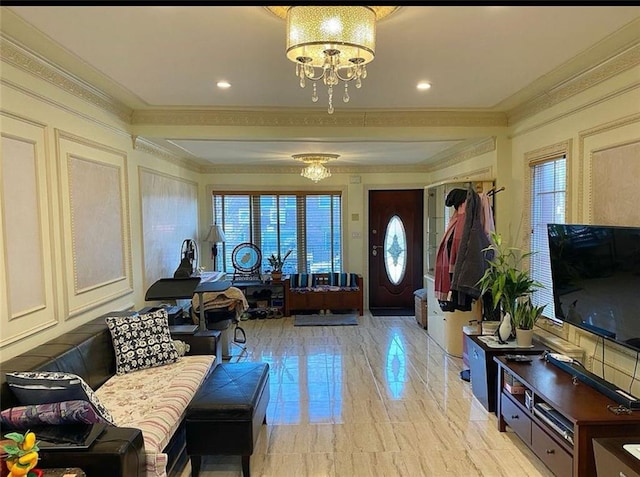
277, 262
525, 315
507, 281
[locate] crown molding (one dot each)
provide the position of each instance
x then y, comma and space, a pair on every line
27, 60
609, 68
381, 169
144, 145
436, 118
483, 147
309, 118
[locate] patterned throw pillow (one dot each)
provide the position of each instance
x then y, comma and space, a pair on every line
141, 341
349, 280
55, 413
43, 387
301, 280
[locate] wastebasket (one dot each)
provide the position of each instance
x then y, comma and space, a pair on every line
421, 307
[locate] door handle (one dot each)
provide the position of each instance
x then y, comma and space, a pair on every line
374, 249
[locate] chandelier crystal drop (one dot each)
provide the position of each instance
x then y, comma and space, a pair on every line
315, 172
332, 44
315, 169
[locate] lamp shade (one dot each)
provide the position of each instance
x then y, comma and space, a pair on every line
215, 235
314, 30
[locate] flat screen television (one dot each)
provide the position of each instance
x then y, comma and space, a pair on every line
596, 279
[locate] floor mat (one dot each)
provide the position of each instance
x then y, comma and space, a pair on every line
325, 320
393, 311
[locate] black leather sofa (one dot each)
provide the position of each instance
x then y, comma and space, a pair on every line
88, 352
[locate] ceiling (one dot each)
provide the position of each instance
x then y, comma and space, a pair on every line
478, 59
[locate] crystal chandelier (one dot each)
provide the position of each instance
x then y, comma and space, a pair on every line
331, 44
315, 169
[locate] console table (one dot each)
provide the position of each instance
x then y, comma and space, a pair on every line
582, 405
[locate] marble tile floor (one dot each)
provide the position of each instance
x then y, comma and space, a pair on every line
377, 399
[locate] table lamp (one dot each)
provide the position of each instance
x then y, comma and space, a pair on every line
214, 237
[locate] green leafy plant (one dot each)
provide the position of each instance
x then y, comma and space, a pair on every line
505, 278
526, 314
277, 262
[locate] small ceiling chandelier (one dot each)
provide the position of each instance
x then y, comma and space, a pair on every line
315, 169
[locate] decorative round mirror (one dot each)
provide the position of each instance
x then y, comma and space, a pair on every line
246, 258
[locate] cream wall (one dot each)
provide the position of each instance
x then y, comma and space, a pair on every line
83, 245
604, 116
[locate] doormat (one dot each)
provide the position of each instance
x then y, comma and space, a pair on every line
392, 311
325, 320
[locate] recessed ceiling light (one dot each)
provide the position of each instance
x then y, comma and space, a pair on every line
423, 85
224, 84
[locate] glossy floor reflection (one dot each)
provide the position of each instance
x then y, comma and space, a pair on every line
377, 399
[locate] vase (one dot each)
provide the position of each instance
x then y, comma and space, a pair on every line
276, 276
524, 338
504, 330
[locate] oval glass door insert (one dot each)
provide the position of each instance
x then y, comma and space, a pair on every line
395, 250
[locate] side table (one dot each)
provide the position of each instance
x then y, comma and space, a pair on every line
484, 370
200, 342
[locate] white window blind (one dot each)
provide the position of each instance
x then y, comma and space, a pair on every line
307, 224
548, 205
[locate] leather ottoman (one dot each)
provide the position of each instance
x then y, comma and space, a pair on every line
226, 414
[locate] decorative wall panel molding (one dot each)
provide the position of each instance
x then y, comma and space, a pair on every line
29, 61
27, 285
97, 242
614, 200
169, 209
597, 139
96, 222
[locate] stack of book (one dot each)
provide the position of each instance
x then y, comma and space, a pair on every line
512, 385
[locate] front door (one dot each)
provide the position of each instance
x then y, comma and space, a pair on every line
395, 249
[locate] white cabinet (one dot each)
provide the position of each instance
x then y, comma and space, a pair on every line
446, 327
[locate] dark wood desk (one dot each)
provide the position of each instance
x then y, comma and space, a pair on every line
484, 370
582, 405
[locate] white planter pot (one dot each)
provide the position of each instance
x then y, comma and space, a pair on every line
524, 338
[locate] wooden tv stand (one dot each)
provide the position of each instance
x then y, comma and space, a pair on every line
581, 404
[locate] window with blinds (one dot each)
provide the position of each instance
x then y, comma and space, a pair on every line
307, 223
548, 197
